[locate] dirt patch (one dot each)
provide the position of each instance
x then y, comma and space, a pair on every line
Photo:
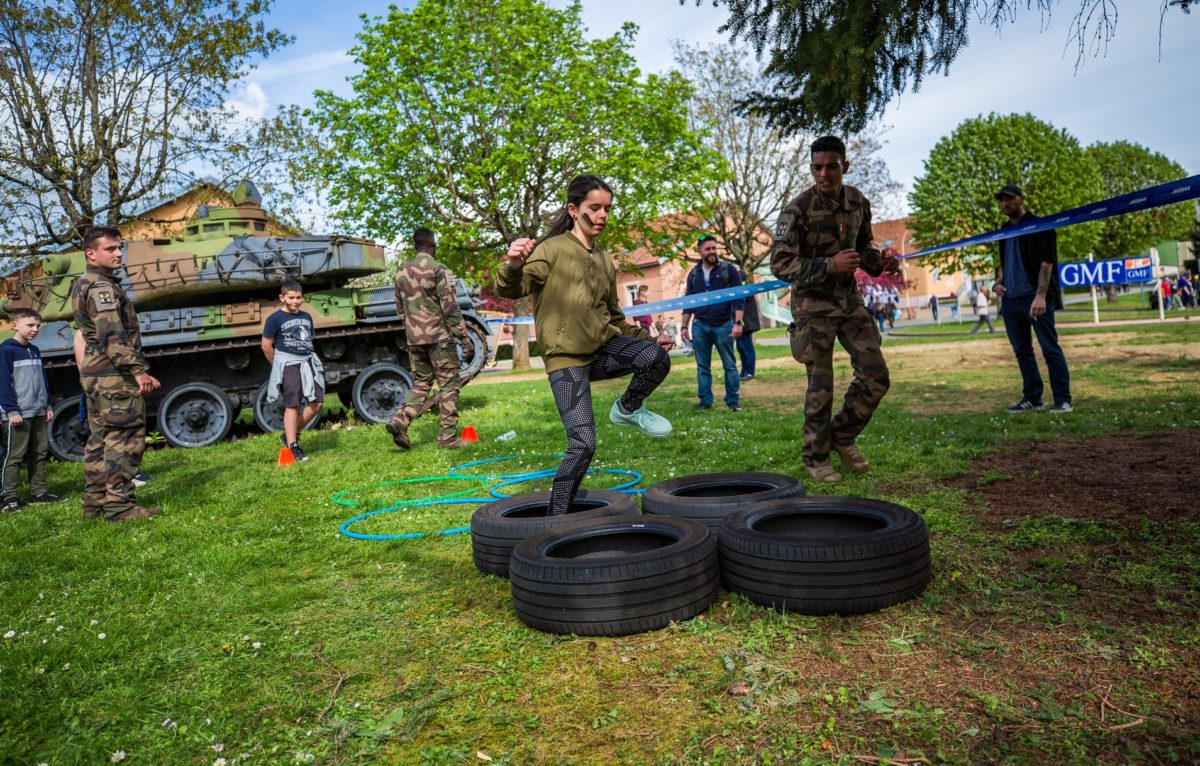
1119, 478
1105, 520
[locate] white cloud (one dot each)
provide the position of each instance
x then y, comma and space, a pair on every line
313, 62
660, 22
250, 104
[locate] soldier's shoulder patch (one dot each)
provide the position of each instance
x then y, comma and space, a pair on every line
103, 297
785, 224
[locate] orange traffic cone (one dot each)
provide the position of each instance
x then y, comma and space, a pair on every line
469, 435
285, 456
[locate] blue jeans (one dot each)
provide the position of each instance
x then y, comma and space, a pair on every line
704, 337
745, 349
1020, 327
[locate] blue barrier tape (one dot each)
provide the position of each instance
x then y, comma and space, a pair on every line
510, 320
692, 301
1156, 196
345, 527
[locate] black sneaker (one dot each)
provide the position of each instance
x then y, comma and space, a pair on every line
45, 497
141, 478
735, 407
1024, 406
703, 406
749, 376
10, 506
1061, 407
297, 453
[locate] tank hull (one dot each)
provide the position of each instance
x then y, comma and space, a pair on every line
202, 299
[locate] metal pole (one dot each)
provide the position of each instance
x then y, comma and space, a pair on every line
1095, 303
1162, 312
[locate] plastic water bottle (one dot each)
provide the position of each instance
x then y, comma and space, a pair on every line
506, 436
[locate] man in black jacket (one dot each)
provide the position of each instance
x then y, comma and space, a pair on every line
1027, 283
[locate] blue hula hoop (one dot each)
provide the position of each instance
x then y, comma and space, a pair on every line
637, 477
345, 527
337, 497
456, 470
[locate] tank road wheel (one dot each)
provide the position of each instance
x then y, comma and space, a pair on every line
470, 367
269, 417
67, 436
379, 391
195, 415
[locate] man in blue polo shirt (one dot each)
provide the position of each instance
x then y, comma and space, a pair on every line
1027, 283
718, 324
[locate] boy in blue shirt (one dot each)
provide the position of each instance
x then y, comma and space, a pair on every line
296, 373
25, 402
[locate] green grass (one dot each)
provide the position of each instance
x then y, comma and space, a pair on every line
241, 625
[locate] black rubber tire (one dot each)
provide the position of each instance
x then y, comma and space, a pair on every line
196, 414
614, 576
497, 527
379, 391
66, 437
825, 555
709, 497
269, 417
468, 368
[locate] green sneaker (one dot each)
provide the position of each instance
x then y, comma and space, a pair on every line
644, 420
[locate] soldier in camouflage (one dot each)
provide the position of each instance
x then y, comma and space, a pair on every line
821, 237
426, 302
115, 378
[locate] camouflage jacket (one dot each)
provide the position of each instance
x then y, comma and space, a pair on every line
811, 230
426, 301
112, 355
575, 304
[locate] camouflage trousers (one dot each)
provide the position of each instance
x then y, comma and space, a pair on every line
430, 363
812, 344
116, 441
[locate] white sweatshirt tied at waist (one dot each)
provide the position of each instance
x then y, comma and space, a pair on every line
311, 371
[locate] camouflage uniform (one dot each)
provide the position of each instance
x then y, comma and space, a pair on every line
811, 230
112, 358
427, 303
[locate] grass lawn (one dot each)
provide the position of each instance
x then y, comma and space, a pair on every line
241, 627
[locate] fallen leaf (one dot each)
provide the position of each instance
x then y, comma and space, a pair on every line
482, 755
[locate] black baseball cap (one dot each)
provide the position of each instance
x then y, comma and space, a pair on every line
705, 238
1009, 190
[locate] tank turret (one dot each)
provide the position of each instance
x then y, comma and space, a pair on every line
202, 297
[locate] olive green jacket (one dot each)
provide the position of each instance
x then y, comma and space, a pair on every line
575, 307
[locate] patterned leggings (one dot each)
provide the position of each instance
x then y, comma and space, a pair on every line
573, 396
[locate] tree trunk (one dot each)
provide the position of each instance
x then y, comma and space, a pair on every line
523, 307
1110, 293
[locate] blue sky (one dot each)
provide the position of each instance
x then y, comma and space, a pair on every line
1134, 92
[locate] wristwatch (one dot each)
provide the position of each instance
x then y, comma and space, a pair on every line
739, 323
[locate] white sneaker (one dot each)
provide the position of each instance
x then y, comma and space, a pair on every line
644, 420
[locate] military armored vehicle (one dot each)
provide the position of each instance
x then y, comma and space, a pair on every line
202, 298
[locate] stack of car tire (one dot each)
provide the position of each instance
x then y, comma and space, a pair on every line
601, 569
